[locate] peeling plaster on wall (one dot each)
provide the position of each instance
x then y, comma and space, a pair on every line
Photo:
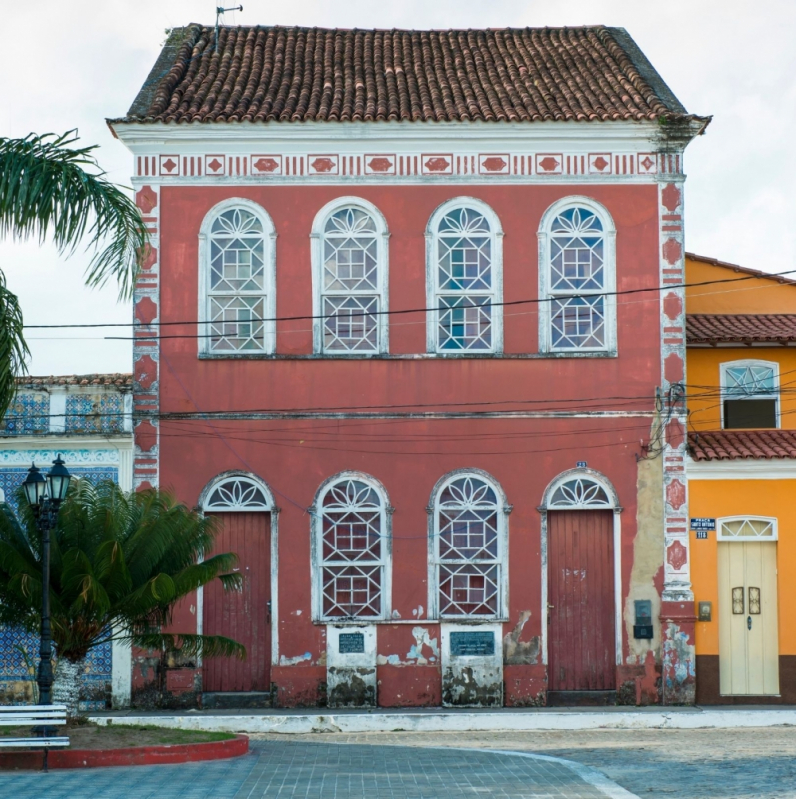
647, 557
472, 686
352, 687
521, 653
396, 614
294, 661
418, 611
389, 660
422, 638
678, 660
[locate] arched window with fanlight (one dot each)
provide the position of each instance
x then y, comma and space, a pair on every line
237, 297
351, 549
750, 394
467, 547
350, 266
464, 257
577, 278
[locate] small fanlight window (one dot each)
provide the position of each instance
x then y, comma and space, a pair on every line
237, 494
747, 529
580, 492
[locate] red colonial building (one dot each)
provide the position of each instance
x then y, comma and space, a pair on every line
412, 326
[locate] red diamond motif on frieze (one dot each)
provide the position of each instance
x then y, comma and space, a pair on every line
215, 164
600, 163
146, 436
169, 165
670, 197
648, 163
380, 164
677, 555
494, 163
675, 434
146, 310
549, 163
672, 250
672, 305
675, 494
323, 164
146, 199
266, 164
146, 372
437, 164
673, 368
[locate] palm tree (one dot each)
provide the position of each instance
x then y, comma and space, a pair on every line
119, 563
47, 187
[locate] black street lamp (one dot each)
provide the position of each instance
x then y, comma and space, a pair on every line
45, 496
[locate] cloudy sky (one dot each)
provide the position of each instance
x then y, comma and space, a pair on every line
72, 64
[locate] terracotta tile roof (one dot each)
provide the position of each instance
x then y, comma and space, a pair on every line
742, 269
291, 74
724, 445
740, 328
120, 379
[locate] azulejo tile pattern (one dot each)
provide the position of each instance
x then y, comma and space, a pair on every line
95, 413
28, 415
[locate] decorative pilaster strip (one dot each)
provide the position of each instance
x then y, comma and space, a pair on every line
146, 348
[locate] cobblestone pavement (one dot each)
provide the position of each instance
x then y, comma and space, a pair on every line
671, 764
326, 770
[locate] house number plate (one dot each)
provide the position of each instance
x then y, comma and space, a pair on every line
472, 644
352, 643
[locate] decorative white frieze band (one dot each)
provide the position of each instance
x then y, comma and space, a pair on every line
368, 165
77, 457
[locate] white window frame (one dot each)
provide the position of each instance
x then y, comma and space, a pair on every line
745, 362
269, 277
609, 270
434, 561
613, 505
382, 276
316, 551
432, 277
759, 539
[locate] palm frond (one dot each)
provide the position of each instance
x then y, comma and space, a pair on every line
204, 646
13, 348
48, 187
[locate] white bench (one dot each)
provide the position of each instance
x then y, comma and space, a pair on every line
34, 716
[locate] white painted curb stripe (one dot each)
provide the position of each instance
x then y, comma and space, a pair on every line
590, 775
530, 721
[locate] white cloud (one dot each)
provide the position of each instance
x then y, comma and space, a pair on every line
67, 65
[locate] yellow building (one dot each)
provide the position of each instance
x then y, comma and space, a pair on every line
741, 388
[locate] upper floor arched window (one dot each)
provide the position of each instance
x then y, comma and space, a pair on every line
750, 394
577, 275
237, 268
350, 283
468, 542
351, 549
464, 257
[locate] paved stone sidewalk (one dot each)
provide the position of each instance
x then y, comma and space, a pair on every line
753, 763
289, 768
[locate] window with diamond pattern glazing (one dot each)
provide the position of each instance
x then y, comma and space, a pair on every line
465, 282
469, 550
577, 281
237, 283
353, 551
350, 282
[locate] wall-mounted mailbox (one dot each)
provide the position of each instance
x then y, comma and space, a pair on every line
643, 627
705, 611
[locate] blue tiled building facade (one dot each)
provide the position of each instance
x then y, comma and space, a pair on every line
87, 420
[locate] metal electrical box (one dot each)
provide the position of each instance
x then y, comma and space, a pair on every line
705, 611
643, 626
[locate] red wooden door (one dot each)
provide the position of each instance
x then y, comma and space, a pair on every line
581, 613
244, 616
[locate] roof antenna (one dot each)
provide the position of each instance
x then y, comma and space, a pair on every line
219, 12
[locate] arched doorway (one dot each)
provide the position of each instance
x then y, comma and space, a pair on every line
582, 588
244, 506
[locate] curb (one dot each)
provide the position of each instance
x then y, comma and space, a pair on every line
132, 756
460, 721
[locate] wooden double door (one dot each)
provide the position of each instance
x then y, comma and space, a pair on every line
748, 634
581, 605
245, 615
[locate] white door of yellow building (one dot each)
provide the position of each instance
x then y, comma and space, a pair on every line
748, 637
